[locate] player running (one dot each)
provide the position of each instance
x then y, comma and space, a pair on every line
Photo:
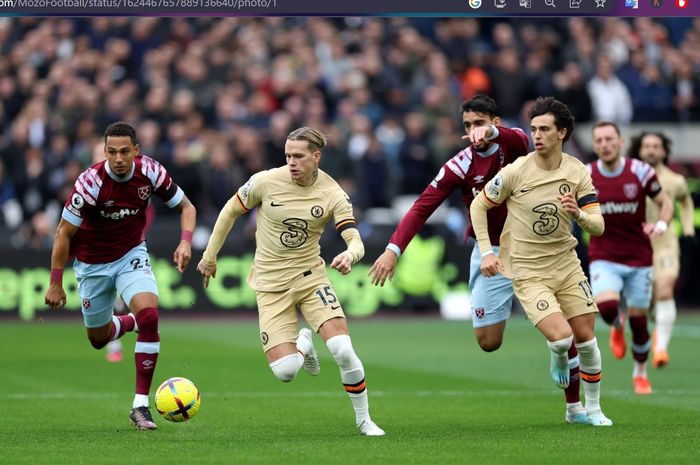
621, 259
102, 225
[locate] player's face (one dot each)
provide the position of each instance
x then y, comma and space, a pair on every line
652, 150
120, 153
302, 162
545, 135
474, 119
607, 144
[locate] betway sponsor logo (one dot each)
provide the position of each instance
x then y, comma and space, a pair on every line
120, 214
619, 207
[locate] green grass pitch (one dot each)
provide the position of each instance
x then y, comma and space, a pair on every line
439, 398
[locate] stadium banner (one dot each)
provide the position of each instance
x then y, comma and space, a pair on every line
432, 271
430, 268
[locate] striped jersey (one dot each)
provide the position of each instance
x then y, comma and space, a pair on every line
622, 195
110, 211
468, 172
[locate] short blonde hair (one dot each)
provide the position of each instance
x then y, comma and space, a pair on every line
315, 138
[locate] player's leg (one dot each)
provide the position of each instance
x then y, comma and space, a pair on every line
137, 286
607, 284
97, 293
638, 290
492, 301
114, 347
665, 316
324, 314
543, 310
352, 372
576, 299
278, 333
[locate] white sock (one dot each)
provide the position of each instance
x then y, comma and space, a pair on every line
352, 374
665, 317
640, 369
574, 408
560, 349
287, 367
591, 368
140, 400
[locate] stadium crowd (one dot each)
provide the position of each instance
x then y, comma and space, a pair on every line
214, 99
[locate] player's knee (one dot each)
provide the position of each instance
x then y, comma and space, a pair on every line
608, 310
490, 343
286, 368
97, 343
341, 350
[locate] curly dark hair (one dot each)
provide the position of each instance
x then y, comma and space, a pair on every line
636, 144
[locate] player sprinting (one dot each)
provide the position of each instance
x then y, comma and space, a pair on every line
492, 147
102, 225
621, 259
655, 149
543, 191
294, 204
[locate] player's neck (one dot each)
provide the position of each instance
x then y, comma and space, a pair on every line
548, 161
612, 165
310, 180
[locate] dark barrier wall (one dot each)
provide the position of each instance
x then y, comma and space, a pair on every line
431, 267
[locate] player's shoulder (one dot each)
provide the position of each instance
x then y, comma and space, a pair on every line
575, 165
521, 163
642, 170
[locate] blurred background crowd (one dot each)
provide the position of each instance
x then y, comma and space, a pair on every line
213, 99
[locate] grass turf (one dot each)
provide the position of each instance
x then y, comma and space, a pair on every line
440, 399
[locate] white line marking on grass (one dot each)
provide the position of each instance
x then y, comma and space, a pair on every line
341, 393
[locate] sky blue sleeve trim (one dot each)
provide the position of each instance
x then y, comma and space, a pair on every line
177, 198
75, 220
394, 248
496, 132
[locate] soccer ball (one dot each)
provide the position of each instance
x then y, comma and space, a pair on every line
177, 399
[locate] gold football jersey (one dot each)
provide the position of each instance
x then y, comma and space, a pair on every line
539, 228
290, 221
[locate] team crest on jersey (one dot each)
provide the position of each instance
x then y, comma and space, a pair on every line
317, 211
144, 192
564, 189
86, 303
630, 190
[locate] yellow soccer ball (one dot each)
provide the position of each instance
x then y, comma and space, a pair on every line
177, 399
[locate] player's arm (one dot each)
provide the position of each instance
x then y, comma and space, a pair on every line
224, 222
665, 205
584, 208
430, 199
356, 250
494, 193
55, 296
188, 221
687, 214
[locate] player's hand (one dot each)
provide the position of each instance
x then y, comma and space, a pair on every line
342, 262
384, 267
491, 265
208, 270
477, 135
55, 296
182, 255
569, 204
651, 230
